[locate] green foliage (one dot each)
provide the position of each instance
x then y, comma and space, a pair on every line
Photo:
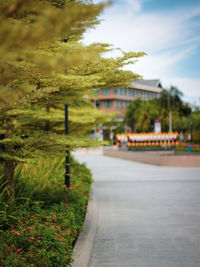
185, 149
43, 226
140, 115
194, 122
44, 66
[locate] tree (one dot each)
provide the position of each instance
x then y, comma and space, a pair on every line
146, 114
44, 66
170, 100
194, 125
130, 117
141, 114
29, 39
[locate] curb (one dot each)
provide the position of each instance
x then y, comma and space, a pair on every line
83, 248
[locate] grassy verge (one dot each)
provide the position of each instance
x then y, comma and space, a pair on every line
185, 149
42, 227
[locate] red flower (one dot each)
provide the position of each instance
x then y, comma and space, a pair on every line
20, 250
39, 238
33, 217
16, 233
31, 238
66, 205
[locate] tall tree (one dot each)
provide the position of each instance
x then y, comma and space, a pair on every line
131, 118
141, 114
42, 67
170, 100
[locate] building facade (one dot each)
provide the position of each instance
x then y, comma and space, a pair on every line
117, 99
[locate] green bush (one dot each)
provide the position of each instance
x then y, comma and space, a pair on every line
185, 149
44, 224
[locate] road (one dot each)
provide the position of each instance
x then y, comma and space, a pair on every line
148, 215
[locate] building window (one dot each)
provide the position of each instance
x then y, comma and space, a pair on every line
121, 104
129, 92
106, 91
115, 91
96, 91
121, 91
133, 92
117, 104
107, 104
98, 104
125, 91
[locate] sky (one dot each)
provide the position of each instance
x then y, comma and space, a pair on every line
167, 30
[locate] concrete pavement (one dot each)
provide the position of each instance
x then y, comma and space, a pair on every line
148, 215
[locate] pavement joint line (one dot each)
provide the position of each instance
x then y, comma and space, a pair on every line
83, 248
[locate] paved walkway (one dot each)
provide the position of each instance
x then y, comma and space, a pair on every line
148, 215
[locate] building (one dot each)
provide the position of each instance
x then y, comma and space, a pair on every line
117, 99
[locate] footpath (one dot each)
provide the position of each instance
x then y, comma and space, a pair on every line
140, 215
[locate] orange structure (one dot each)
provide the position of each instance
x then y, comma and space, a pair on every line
147, 139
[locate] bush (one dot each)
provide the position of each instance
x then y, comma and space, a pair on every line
185, 148
44, 224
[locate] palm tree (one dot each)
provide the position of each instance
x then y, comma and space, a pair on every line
171, 100
131, 114
145, 114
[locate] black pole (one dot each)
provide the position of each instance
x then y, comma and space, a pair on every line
67, 167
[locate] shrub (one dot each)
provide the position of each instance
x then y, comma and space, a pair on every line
44, 224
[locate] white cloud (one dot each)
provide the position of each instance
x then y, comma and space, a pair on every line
167, 37
134, 5
159, 64
186, 85
143, 31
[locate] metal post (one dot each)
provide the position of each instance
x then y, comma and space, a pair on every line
67, 164
170, 121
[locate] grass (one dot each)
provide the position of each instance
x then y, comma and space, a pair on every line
44, 224
185, 149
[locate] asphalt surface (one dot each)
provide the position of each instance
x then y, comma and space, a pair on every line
148, 215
